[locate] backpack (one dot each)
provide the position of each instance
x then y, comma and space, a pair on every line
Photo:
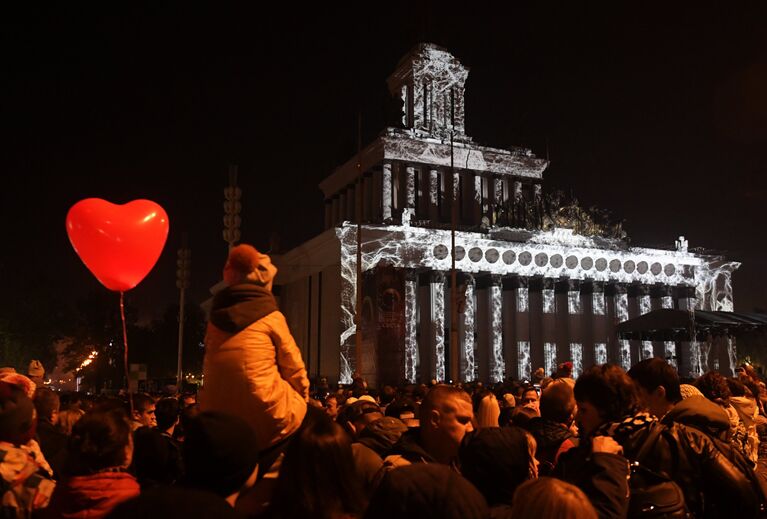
653, 494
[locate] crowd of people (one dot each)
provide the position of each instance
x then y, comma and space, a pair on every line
260, 441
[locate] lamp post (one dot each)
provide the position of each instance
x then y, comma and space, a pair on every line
184, 263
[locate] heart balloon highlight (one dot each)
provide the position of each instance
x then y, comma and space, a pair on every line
119, 244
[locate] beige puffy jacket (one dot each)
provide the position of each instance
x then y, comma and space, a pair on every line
257, 374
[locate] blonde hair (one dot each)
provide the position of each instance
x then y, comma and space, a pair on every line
548, 498
488, 411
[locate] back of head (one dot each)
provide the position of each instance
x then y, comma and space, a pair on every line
488, 411
246, 265
496, 461
653, 373
318, 477
521, 415
551, 498
438, 396
142, 402
46, 403
219, 452
174, 503
425, 491
166, 412
714, 387
17, 415
558, 403
609, 389
99, 440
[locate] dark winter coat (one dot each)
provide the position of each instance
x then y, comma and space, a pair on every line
551, 438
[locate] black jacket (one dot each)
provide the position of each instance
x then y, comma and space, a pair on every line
712, 486
549, 437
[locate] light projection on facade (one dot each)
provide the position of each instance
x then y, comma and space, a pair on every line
469, 366
549, 357
647, 351
669, 349
600, 353
510, 236
624, 354
576, 353
525, 363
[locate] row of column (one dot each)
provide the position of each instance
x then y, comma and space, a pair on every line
381, 195
508, 326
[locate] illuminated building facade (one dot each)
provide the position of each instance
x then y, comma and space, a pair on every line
539, 279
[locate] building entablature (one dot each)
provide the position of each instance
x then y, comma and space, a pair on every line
429, 249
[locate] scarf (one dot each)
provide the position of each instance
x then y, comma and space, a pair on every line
625, 428
238, 306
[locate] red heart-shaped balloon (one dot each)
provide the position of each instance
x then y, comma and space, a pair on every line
118, 243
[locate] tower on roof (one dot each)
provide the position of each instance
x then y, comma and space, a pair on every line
430, 83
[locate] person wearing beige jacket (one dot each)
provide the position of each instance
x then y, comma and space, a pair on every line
253, 368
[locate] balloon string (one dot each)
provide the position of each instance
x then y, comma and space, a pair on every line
125, 351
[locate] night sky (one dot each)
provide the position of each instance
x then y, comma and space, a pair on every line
656, 114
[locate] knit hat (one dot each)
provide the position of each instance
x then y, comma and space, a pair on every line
253, 266
17, 415
36, 368
219, 451
687, 391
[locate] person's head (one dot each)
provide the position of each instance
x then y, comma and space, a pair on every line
604, 393
36, 372
487, 410
331, 406
445, 417
356, 416
220, 453
426, 491
521, 415
714, 387
166, 413
530, 397
657, 385
318, 476
47, 405
144, 410
497, 461
551, 498
246, 265
564, 370
558, 403
188, 399
17, 415
100, 440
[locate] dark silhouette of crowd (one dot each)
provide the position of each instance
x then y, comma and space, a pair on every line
607, 444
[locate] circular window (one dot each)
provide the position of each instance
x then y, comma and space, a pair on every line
475, 254
491, 255
615, 265
460, 253
601, 264
525, 258
587, 263
541, 259
656, 269
440, 252
556, 261
629, 267
642, 267
571, 262
509, 257
669, 270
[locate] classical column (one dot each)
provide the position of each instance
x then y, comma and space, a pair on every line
549, 325
468, 363
497, 364
517, 207
386, 192
621, 313
410, 187
411, 321
522, 305
476, 207
434, 196
438, 324
497, 199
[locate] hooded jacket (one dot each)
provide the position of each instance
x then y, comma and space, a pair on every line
253, 367
26, 484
